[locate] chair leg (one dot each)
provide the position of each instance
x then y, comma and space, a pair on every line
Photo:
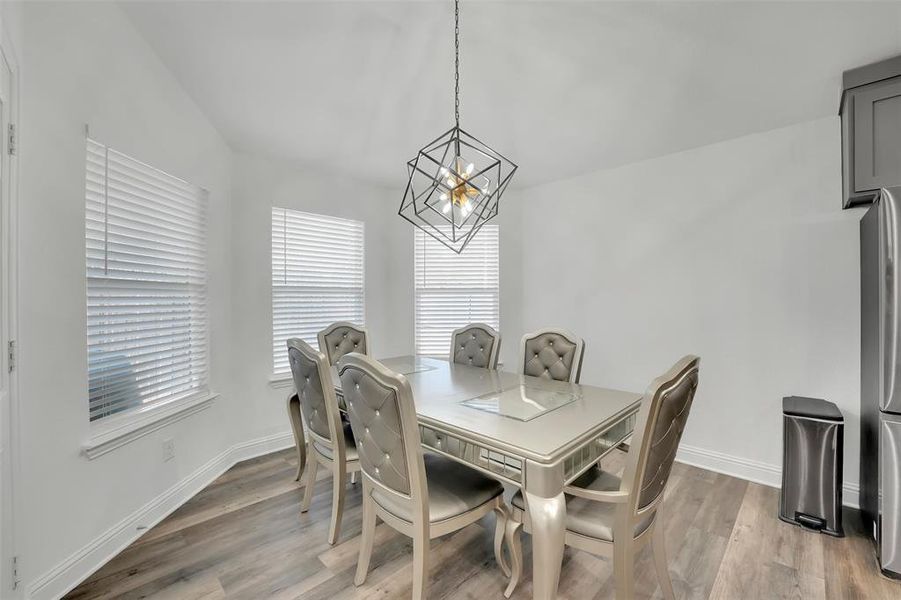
502, 514
366, 538
514, 543
660, 564
312, 466
420, 562
301, 461
623, 571
300, 442
353, 477
337, 502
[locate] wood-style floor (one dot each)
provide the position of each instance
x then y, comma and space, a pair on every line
244, 537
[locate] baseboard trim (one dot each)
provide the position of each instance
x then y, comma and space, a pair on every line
750, 470
79, 566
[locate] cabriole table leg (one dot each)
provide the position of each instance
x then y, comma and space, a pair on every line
547, 516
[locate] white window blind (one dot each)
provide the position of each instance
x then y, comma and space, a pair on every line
452, 289
317, 277
146, 284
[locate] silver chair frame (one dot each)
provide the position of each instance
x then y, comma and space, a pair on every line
309, 458
420, 529
323, 347
495, 350
625, 545
575, 372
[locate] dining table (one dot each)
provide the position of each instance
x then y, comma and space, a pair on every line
530, 432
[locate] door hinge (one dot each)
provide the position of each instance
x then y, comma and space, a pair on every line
15, 578
12, 139
11, 355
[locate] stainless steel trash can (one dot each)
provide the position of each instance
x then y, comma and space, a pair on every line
812, 444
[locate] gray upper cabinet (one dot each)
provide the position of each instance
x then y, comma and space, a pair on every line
871, 130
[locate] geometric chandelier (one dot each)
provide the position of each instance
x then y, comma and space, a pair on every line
455, 182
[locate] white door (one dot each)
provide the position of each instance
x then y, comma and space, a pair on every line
8, 580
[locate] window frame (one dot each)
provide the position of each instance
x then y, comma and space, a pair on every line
441, 349
281, 377
117, 427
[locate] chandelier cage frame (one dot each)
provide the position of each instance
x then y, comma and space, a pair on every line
449, 196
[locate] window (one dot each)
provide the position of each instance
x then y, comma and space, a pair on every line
317, 277
145, 240
452, 289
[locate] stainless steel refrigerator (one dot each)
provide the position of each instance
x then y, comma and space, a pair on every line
880, 376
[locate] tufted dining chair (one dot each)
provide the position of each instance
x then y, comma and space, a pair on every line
315, 404
608, 515
475, 345
553, 354
340, 338
421, 496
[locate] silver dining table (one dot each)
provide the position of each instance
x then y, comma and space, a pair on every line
530, 432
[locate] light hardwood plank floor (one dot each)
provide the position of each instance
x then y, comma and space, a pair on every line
244, 537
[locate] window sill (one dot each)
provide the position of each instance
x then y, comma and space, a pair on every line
118, 430
281, 380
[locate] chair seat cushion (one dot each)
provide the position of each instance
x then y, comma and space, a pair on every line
589, 517
350, 447
454, 489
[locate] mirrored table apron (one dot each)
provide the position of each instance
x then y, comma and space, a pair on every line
533, 433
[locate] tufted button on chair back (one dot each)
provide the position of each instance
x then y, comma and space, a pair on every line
307, 366
661, 421
553, 354
476, 345
342, 338
383, 419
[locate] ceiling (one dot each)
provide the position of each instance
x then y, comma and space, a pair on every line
560, 87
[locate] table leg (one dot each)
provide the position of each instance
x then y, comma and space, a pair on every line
548, 520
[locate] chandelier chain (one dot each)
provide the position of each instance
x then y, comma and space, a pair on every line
457, 62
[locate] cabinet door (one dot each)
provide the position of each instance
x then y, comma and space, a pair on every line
877, 136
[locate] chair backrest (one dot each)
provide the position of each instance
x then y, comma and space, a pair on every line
553, 354
475, 345
315, 392
342, 338
383, 419
661, 421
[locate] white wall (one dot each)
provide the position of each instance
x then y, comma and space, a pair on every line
511, 267
84, 63
258, 185
11, 24
738, 252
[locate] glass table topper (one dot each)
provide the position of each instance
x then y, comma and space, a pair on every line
521, 402
413, 365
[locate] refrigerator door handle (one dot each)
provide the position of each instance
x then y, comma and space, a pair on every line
889, 400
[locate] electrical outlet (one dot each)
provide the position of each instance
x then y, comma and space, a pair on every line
168, 449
